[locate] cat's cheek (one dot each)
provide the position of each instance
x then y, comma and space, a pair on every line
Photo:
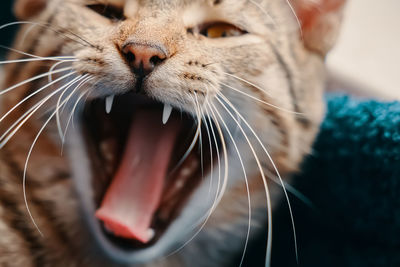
165, 91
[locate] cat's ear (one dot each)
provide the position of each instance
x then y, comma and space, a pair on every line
320, 22
26, 9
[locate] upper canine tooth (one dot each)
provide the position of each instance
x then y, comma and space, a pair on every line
109, 103
166, 113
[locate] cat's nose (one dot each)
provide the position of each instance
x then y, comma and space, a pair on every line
143, 58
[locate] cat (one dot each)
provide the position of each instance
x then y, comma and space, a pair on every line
155, 133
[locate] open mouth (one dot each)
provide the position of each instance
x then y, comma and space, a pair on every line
140, 177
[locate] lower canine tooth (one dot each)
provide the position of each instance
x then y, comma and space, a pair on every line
151, 233
166, 113
109, 103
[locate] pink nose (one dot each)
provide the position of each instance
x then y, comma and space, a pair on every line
143, 58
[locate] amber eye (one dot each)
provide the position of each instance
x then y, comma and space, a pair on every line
108, 11
220, 30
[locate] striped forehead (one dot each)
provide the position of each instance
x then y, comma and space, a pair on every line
167, 3
194, 11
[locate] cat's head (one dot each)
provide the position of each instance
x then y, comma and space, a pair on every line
240, 76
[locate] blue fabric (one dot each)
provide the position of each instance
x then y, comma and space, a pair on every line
353, 180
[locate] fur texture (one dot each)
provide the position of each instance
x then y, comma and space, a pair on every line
280, 61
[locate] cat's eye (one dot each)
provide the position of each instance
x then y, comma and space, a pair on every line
108, 11
220, 30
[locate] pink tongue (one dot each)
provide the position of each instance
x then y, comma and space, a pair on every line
134, 195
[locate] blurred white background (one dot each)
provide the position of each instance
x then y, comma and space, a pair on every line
367, 56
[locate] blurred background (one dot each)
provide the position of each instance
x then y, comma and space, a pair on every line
5, 17
367, 54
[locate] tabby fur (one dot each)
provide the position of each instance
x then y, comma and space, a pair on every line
283, 54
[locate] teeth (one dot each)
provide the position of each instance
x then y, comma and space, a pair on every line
109, 103
151, 233
167, 113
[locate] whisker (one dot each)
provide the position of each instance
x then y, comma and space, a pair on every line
261, 101
209, 213
31, 95
26, 34
73, 110
27, 161
32, 55
36, 59
246, 182
263, 11
204, 116
72, 114
247, 82
216, 148
275, 169
199, 116
189, 150
48, 26
225, 152
269, 207
203, 220
33, 79
297, 18
76, 104
218, 196
21, 121
296, 193
77, 79
52, 68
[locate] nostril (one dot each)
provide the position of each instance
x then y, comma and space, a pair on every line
130, 57
155, 60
